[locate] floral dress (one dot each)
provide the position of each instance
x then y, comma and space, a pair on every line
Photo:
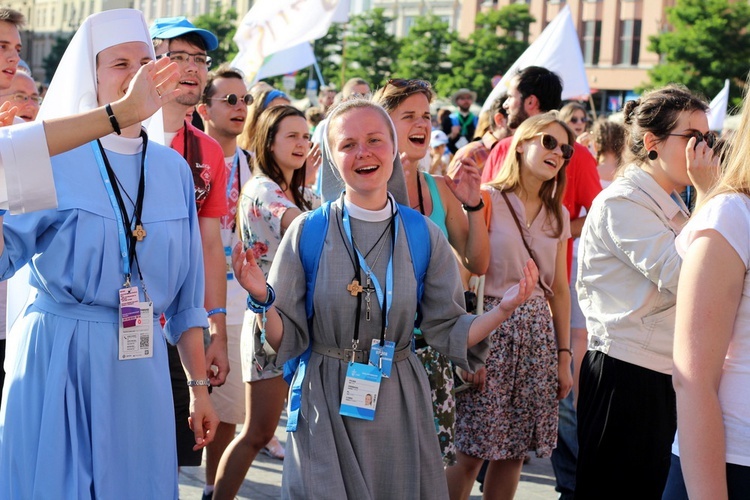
262, 205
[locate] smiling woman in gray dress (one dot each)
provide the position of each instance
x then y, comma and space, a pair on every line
396, 454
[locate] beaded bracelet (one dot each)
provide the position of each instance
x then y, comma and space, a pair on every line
261, 308
216, 311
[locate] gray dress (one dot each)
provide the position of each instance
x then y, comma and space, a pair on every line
397, 454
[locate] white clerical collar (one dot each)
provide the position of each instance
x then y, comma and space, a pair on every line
360, 213
123, 145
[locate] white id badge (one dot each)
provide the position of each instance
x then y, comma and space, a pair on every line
361, 389
136, 340
228, 256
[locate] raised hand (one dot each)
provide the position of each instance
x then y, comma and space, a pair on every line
154, 85
249, 275
7, 114
520, 292
702, 165
466, 182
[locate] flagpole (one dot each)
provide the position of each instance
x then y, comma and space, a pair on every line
593, 107
343, 55
317, 71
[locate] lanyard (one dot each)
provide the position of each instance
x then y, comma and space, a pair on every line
125, 234
386, 299
235, 168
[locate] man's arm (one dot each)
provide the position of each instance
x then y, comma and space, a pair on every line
214, 263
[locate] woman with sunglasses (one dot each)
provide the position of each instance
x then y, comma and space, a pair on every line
390, 450
628, 271
440, 199
516, 410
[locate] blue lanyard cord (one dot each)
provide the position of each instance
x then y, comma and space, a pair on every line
127, 239
385, 299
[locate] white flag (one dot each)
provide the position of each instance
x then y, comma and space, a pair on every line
559, 50
717, 110
275, 25
287, 61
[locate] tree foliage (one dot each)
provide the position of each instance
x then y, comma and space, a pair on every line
424, 50
370, 50
52, 60
223, 24
708, 43
499, 39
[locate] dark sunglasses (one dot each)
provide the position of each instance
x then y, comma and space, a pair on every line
401, 83
574, 120
550, 143
709, 137
232, 99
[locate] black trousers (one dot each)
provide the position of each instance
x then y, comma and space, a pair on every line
186, 456
627, 419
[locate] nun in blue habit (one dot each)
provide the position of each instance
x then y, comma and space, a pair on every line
87, 405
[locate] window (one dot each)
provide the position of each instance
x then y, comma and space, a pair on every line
630, 42
408, 23
592, 33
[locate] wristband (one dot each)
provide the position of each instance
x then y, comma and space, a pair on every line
202, 382
261, 307
569, 351
3, 212
216, 311
112, 119
476, 207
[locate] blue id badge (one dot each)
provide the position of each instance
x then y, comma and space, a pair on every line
361, 389
382, 357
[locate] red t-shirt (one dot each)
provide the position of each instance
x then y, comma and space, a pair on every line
582, 186
206, 160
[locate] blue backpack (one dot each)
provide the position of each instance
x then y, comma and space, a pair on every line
312, 239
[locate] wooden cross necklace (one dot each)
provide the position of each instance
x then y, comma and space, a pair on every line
355, 288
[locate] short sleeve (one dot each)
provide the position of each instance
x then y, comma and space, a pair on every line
729, 214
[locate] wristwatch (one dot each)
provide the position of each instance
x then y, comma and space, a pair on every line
476, 207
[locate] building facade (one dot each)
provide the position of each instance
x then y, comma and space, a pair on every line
614, 38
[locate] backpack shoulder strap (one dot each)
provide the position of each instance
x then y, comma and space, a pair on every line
311, 242
418, 238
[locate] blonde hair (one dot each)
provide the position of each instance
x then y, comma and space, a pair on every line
509, 177
735, 175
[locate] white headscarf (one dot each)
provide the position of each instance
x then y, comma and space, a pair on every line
73, 87
331, 183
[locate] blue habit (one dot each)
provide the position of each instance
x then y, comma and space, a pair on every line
75, 421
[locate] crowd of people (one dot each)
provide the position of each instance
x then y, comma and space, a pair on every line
433, 296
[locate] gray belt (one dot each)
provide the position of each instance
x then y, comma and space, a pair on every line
360, 355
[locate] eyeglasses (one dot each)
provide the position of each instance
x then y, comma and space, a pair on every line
550, 143
401, 83
181, 57
574, 120
232, 99
709, 137
20, 97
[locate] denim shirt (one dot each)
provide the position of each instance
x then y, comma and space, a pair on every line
628, 268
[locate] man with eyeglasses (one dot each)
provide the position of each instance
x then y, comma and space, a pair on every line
183, 43
24, 95
223, 108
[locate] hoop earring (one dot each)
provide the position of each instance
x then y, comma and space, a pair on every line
653, 155
554, 188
